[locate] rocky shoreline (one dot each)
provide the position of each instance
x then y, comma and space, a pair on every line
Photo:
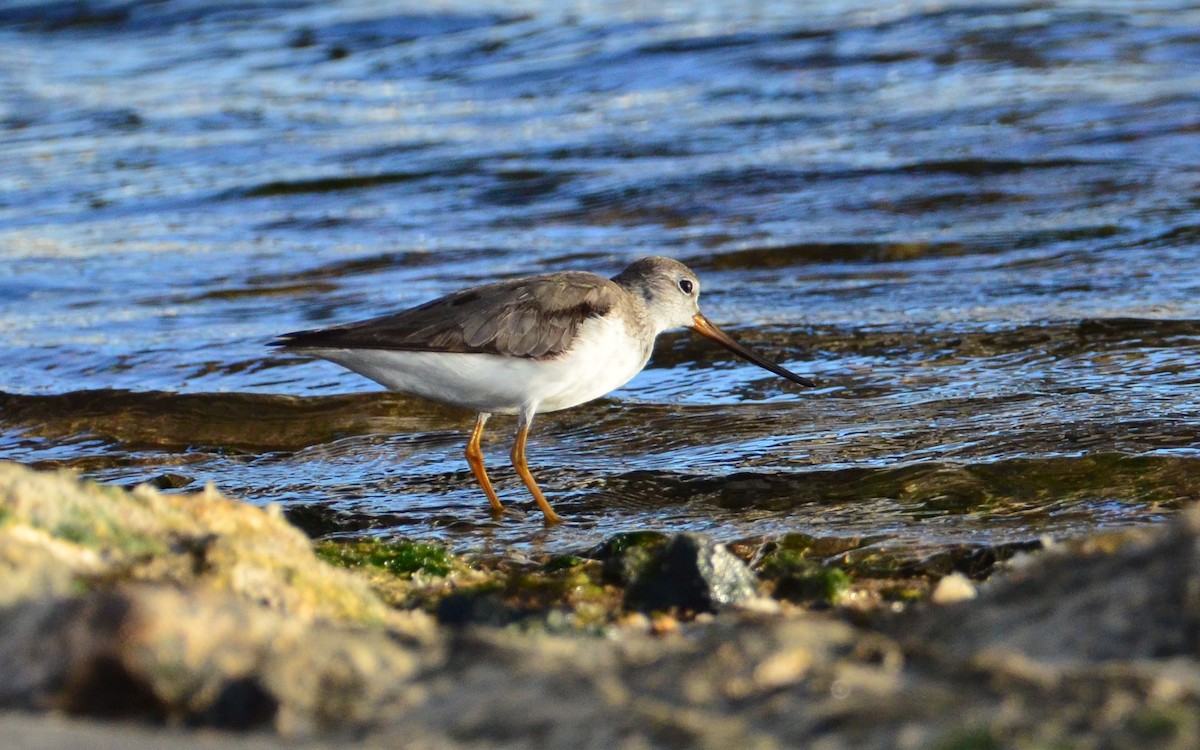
137, 616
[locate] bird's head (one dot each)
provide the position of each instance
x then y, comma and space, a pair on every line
670, 292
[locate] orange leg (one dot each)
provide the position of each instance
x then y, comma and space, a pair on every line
518, 459
475, 459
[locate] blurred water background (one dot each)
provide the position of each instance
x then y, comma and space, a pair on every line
975, 223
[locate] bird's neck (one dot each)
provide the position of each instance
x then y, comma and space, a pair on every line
650, 323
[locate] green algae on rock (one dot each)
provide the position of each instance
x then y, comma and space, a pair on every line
402, 557
798, 578
60, 534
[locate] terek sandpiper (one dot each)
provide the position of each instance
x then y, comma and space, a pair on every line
538, 343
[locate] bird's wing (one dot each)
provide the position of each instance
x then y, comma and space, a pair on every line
534, 317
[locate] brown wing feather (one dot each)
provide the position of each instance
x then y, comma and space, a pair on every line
534, 317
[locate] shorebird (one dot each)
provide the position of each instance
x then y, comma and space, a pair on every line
528, 345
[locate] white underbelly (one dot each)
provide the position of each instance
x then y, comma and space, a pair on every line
602, 359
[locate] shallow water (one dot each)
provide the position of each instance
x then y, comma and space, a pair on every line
975, 225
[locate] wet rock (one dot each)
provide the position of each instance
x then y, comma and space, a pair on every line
690, 573
626, 556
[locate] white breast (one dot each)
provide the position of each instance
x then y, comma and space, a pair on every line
603, 357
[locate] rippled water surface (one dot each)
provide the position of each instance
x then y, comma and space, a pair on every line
975, 224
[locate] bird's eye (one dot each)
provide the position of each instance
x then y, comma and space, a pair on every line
686, 285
